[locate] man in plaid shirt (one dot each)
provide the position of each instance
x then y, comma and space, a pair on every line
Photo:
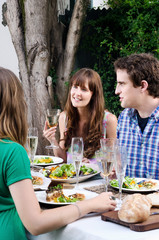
138, 125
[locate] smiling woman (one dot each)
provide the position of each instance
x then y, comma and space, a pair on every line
84, 116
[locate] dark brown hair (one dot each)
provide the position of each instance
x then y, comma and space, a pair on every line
13, 109
140, 67
92, 131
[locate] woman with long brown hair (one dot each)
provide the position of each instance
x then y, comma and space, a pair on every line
84, 116
19, 208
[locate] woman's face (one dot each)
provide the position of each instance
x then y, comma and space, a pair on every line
80, 96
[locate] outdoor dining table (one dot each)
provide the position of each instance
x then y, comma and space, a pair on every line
92, 227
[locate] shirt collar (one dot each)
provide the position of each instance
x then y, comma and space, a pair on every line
155, 114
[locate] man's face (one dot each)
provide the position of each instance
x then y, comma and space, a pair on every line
128, 94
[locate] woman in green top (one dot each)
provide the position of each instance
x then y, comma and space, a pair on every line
19, 208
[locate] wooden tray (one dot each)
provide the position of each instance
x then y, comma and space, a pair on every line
151, 223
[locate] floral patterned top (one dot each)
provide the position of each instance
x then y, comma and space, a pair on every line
93, 159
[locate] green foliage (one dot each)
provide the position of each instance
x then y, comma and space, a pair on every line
129, 26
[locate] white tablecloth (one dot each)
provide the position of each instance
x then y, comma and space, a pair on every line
91, 227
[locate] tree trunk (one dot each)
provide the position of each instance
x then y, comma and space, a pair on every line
37, 36
67, 58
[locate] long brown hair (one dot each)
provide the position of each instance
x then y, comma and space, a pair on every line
13, 108
92, 131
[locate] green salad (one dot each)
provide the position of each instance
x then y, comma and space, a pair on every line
67, 171
64, 199
44, 160
129, 183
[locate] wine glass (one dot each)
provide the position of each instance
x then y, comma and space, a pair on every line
77, 147
52, 117
32, 141
106, 161
120, 168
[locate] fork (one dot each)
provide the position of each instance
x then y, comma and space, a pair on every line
154, 213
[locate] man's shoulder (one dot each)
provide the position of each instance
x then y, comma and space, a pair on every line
127, 112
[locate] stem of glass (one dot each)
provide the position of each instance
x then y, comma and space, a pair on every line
77, 179
106, 183
32, 158
52, 146
120, 191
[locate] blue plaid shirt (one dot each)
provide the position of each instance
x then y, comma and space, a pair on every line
142, 148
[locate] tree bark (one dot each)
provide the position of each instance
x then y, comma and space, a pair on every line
37, 36
67, 58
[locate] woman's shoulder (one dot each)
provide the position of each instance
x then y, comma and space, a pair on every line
109, 116
11, 147
11, 144
63, 120
62, 115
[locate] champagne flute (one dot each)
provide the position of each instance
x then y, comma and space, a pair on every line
52, 117
120, 168
77, 147
32, 142
149, 171
106, 161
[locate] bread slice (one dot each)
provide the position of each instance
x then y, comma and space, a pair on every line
37, 180
54, 191
154, 197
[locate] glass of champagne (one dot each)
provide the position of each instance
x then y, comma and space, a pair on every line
32, 142
120, 168
106, 161
77, 147
52, 117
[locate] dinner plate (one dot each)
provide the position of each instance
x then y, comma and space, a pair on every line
143, 190
81, 178
46, 181
56, 160
41, 196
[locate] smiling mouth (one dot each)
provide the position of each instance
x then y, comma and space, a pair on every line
77, 99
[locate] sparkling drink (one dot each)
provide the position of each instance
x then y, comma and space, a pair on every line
52, 117
32, 144
77, 148
77, 163
52, 121
105, 166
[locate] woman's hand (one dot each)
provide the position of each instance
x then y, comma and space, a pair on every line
49, 133
103, 202
86, 160
111, 176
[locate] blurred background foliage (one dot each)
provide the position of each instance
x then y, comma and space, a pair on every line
128, 26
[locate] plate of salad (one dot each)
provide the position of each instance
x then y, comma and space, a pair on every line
66, 172
44, 160
141, 185
41, 196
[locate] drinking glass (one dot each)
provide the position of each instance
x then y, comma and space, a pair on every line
77, 147
32, 141
120, 168
52, 117
149, 172
106, 161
